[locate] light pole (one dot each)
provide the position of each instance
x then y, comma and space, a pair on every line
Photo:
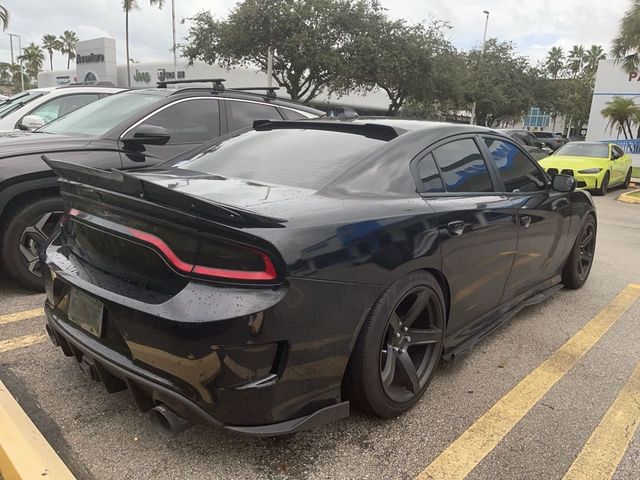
173, 28
11, 35
472, 121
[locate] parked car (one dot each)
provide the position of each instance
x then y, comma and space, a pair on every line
596, 166
267, 280
536, 148
551, 140
34, 108
128, 130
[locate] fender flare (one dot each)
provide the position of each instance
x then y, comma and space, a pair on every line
12, 191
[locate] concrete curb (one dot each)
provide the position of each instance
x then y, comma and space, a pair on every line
24, 452
628, 198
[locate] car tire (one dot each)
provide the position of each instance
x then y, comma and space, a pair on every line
627, 179
389, 371
604, 186
26, 231
578, 266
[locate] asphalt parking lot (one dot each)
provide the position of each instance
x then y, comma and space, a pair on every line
103, 436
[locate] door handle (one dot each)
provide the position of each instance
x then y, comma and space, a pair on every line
525, 221
455, 228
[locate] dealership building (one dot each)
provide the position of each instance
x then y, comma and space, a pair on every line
96, 62
613, 81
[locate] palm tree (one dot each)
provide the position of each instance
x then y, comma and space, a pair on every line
68, 42
626, 46
620, 111
51, 44
33, 59
575, 59
592, 57
4, 17
555, 61
128, 6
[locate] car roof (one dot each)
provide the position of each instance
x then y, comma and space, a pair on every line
228, 92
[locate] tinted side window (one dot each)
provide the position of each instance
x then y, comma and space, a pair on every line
429, 175
619, 152
518, 173
242, 114
192, 121
462, 167
63, 105
524, 138
291, 114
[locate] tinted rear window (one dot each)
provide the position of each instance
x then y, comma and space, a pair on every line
543, 134
295, 157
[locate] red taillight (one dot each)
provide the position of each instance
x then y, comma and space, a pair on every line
266, 273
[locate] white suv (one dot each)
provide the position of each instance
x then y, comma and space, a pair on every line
34, 108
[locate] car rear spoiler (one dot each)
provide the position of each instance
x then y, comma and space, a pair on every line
131, 185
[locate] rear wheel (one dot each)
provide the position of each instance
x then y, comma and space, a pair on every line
578, 266
627, 179
604, 187
398, 348
27, 231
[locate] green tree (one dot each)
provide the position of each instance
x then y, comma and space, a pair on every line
4, 17
499, 81
310, 40
5, 73
51, 44
626, 46
619, 112
593, 57
15, 78
576, 59
554, 62
68, 42
415, 62
128, 6
33, 58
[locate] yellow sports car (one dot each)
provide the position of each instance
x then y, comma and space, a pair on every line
596, 166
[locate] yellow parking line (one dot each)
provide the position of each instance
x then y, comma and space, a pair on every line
603, 451
462, 456
24, 452
14, 317
20, 342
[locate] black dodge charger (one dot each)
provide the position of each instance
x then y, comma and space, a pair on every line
282, 273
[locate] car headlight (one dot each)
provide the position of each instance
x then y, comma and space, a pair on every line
590, 170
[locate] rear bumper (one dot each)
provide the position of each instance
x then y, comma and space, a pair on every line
147, 393
263, 362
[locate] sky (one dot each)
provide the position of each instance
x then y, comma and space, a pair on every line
533, 25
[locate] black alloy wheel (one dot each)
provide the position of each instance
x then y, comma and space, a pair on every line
411, 348
604, 187
399, 347
576, 270
627, 179
27, 231
34, 237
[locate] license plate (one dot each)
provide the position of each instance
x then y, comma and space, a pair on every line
86, 312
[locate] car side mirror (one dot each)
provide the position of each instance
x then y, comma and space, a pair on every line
147, 135
542, 144
31, 122
563, 183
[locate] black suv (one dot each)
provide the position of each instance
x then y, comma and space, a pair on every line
128, 130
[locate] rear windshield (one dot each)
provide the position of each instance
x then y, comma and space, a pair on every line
302, 158
596, 150
543, 134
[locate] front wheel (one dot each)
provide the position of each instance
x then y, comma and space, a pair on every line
26, 232
627, 179
604, 186
578, 266
399, 347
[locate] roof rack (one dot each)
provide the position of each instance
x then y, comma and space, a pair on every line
271, 91
218, 85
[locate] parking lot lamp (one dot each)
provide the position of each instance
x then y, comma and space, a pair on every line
484, 42
11, 35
